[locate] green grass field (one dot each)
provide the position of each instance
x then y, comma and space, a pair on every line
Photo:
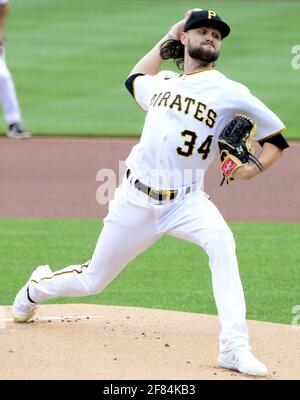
69, 58
172, 274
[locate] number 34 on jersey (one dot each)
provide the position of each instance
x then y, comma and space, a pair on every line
189, 145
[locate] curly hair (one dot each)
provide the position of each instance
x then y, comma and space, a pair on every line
173, 49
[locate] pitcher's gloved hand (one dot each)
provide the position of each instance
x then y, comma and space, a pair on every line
236, 146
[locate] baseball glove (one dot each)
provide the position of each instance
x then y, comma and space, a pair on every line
236, 146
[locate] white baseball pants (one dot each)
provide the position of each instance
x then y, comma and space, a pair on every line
133, 223
8, 97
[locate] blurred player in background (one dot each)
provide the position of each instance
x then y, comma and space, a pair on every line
8, 97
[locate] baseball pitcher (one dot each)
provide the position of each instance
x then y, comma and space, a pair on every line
191, 116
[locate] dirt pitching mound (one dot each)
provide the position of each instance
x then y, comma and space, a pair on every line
108, 342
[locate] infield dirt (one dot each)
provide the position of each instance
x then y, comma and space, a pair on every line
108, 342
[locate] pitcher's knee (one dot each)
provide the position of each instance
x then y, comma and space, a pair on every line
91, 284
95, 282
222, 235
98, 274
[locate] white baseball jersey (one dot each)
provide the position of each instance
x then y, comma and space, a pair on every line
3, 1
186, 113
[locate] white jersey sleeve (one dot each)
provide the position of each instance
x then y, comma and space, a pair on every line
267, 123
3, 2
144, 86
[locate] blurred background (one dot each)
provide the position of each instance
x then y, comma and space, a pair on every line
69, 59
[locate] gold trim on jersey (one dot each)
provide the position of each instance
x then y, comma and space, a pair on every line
197, 72
86, 265
272, 134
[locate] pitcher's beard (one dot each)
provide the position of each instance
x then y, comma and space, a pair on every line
204, 56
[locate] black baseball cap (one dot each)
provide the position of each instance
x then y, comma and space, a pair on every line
207, 18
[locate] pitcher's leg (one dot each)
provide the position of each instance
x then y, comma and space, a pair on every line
116, 247
201, 223
129, 228
227, 289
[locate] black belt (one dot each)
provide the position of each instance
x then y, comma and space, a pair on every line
159, 195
